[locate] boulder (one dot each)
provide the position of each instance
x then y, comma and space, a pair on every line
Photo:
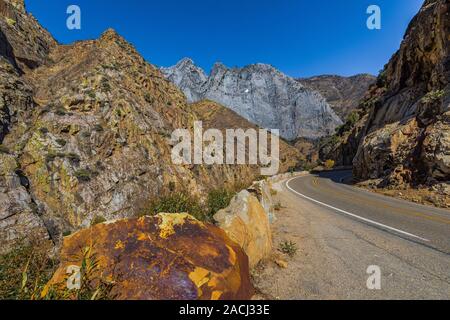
246, 222
262, 190
164, 257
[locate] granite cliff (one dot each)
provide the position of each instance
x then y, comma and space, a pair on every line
261, 94
343, 94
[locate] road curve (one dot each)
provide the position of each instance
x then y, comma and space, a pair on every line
422, 225
342, 232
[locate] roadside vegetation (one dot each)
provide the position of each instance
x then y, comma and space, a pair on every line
329, 164
289, 248
26, 270
180, 202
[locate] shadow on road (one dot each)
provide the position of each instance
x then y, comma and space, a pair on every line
337, 176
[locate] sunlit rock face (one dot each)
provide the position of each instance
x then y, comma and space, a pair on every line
342, 93
246, 222
261, 94
164, 257
407, 134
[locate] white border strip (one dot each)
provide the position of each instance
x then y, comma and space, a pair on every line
354, 215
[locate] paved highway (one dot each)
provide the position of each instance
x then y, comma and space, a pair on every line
341, 231
427, 226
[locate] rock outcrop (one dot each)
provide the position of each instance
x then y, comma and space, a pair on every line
166, 257
24, 40
406, 135
19, 216
261, 94
23, 45
343, 94
246, 222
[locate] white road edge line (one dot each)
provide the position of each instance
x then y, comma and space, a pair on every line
354, 215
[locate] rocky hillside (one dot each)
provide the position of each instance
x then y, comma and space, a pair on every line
343, 94
400, 134
85, 132
407, 132
214, 115
260, 94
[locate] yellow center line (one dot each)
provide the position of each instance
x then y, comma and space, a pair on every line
379, 204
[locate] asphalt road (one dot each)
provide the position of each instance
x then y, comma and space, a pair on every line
340, 231
422, 225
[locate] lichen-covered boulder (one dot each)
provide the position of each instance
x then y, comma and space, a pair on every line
165, 257
246, 222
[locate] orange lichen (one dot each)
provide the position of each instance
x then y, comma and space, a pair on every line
169, 221
154, 267
119, 245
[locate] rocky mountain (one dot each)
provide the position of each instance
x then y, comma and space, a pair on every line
343, 94
261, 94
407, 134
400, 137
85, 133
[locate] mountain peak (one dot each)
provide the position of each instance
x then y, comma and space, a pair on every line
261, 94
218, 66
110, 33
18, 4
185, 61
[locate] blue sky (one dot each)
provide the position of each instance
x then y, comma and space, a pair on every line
299, 37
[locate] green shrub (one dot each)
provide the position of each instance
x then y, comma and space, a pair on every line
289, 248
67, 233
4, 149
305, 165
97, 220
353, 118
382, 79
85, 134
73, 157
329, 164
218, 200
148, 97
83, 175
433, 97
277, 206
98, 128
175, 203
91, 94
11, 22
60, 112
181, 202
51, 156
61, 142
